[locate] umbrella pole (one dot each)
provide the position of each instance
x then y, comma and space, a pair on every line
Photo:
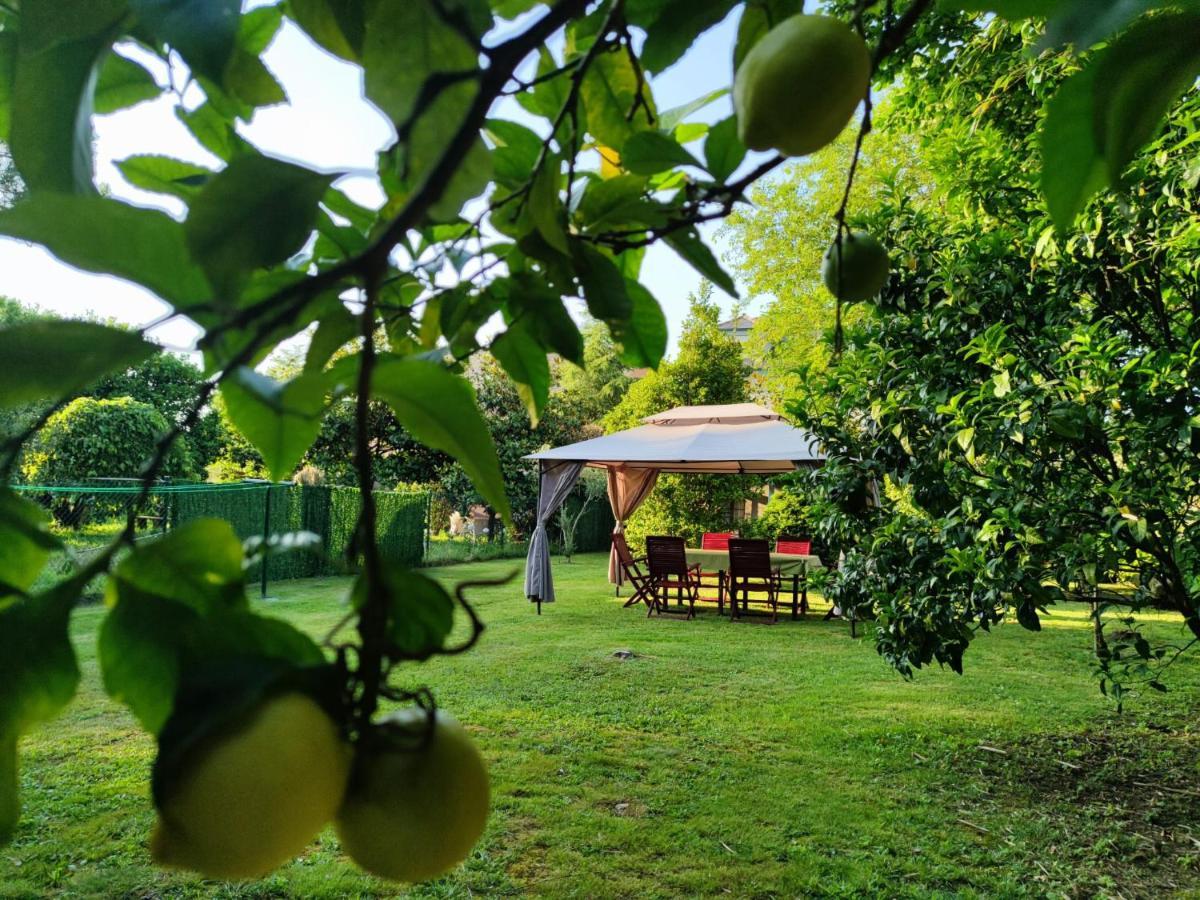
539, 606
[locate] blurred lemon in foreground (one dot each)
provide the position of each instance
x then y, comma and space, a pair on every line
254, 797
413, 814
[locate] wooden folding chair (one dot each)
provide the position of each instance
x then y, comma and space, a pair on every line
667, 560
631, 568
750, 569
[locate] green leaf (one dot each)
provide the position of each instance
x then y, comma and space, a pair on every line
1085, 22
549, 96
688, 245
524, 359
516, 151
758, 18
335, 331
198, 564
527, 298
122, 84
612, 201
203, 31
1072, 168
251, 82
51, 130
25, 543
1139, 76
8, 65
603, 284
337, 25
164, 175
254, 214
671, 119
545, 206
106, 236
38, 677
723, 150
407, 41
50, 360
644, 337
213, 131
674, 26
420, 612
609, 93
439, 410
651, 152
280, 419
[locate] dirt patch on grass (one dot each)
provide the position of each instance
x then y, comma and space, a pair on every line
1110, 811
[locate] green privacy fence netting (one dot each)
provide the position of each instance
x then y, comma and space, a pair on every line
88, 515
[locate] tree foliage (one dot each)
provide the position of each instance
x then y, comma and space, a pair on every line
1022, 404
494, 213
92, 438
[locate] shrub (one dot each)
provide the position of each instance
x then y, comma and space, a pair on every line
92, 438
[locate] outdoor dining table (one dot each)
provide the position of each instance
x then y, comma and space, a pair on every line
794, 564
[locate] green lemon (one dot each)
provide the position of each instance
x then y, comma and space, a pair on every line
10, 798
863, 269
798, 86
254, 797
411, 815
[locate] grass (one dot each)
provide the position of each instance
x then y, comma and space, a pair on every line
743, 760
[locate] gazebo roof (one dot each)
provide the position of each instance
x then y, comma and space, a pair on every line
730, 438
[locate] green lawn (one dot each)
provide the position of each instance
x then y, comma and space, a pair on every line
740, 759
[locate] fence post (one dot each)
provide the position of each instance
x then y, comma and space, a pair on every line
266, 535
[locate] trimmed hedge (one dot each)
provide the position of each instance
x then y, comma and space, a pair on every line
328, 512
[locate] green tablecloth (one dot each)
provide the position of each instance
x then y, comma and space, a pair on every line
787, 563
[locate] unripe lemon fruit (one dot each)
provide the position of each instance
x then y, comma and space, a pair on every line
798, 86
254, 797
411, 815
863, 268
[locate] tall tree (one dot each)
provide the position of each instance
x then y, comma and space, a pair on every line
597, 386
708, 368
1022, 404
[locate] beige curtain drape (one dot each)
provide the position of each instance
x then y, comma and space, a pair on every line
627, 488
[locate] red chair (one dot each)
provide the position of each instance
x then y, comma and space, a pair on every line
666, 558
716, 540
793, 545
750, 569
632, 568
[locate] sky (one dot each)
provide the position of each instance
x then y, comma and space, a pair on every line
329, 126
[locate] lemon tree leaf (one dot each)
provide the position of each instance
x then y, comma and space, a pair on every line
420, 612
673, 26
203, 31
165, 175
723, 150
603, 284
253, 214
38, 677
643, 337
524, 359
25, 543
1072, 167
651, 152
281, 419
609, 93
33, 355
102, 235
122, 84
199, 564
439, 409
697, 254
337, 25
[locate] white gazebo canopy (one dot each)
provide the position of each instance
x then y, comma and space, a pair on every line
735, 438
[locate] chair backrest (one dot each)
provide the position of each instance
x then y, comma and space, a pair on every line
716, 540
749, 558
666, 556
794, 545
624, 557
